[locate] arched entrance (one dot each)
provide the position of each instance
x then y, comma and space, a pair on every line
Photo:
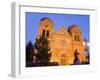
63, 59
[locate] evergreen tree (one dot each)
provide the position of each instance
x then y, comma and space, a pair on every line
29, 52
42, 51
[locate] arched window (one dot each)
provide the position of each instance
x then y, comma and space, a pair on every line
78, 38
43, 33
47, 33
75, 37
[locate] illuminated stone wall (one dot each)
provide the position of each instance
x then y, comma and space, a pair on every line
62, 42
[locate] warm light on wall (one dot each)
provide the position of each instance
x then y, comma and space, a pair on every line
84, 43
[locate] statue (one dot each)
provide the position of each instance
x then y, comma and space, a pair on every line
76, 58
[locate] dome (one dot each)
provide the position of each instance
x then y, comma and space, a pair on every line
73, 28
46, 22
45, 18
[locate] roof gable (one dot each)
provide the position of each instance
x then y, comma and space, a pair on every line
62, 31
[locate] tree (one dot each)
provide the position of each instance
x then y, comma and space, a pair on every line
29, 52
42, 50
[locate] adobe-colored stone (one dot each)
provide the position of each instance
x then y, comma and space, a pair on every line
62, 42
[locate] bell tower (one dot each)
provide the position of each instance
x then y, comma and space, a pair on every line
77, 42
45, 27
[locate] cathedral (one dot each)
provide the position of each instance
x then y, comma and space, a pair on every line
62, 42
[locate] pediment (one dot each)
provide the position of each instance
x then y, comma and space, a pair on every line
63, 31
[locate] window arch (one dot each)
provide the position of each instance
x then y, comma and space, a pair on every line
47, 33
77, 37
43, 32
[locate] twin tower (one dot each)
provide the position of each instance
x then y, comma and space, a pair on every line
62, 42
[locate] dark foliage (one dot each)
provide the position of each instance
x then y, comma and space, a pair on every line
29, 52
42, 53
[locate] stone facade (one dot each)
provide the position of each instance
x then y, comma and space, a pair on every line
62, 42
